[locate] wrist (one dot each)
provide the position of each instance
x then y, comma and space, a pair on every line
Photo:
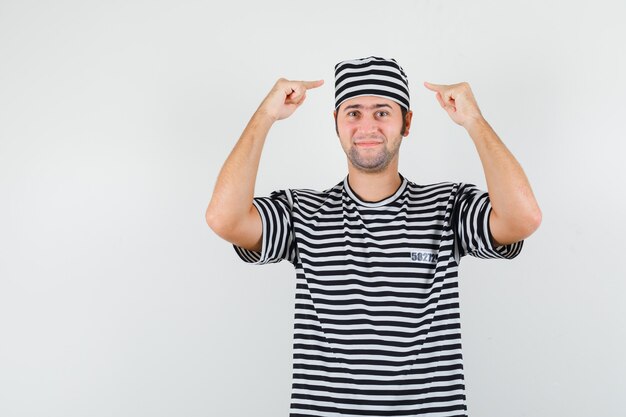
476, 124
264, 116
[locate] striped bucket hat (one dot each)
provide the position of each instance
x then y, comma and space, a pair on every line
371, 76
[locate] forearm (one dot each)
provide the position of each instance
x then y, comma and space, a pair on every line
510, 193
234, 189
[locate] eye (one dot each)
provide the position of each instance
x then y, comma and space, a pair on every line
351, 113
382, 111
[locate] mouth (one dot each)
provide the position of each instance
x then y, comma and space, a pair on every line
368, 143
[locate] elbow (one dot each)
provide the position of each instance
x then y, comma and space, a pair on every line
221, 225
212, 220
208, 217
535, 219
531, 223
515, 228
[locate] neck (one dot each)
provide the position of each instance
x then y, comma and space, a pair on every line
373, 187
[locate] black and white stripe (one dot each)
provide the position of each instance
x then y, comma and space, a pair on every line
371, 76
377, 320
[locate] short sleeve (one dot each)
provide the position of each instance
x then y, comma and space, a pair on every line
470, 223
278, 241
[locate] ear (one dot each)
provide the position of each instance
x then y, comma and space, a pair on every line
409, 117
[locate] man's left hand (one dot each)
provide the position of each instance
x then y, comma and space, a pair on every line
458, 100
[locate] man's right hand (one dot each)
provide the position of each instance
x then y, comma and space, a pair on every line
285, 97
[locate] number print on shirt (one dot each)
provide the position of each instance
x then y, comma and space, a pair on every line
424, 257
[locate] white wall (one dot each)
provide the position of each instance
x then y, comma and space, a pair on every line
115, 118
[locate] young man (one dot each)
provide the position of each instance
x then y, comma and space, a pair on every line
376, 256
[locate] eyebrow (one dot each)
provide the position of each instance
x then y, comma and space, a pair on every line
358, 106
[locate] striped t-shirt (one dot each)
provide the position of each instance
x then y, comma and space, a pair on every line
377, 328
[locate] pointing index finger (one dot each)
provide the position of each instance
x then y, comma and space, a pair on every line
312, 84
433, 87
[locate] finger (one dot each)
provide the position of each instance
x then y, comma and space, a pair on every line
290, 89
440, 100
312, 84
296, 93
301, 99
449, 104
434, 87
445, 104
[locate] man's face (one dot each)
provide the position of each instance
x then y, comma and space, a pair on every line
369, 130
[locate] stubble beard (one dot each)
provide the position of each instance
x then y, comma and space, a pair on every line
365, 160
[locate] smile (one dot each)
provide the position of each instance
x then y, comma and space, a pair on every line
369, 144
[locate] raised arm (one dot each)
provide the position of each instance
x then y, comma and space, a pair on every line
515, 213
230, 213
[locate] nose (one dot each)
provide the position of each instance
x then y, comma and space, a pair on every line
368, 126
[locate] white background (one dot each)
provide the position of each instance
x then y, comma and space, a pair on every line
116, 299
